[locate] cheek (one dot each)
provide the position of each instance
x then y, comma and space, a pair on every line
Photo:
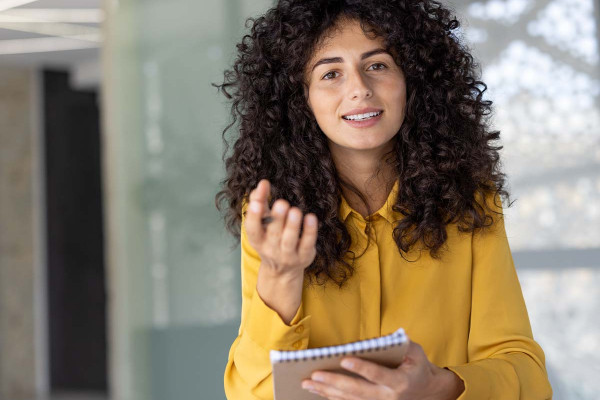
400, 99
323, 109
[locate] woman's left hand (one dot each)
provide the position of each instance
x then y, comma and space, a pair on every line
415, 378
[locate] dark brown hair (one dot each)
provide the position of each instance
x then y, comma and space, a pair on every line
444, 155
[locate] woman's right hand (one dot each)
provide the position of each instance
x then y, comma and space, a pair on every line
281, 249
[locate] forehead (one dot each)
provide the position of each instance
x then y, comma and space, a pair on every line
345, 33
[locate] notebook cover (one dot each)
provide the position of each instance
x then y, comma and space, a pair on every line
288, 375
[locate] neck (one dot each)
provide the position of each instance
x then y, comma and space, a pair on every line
368, 172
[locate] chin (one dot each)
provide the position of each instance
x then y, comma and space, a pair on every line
365, 146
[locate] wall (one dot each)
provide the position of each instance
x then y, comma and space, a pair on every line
19, 279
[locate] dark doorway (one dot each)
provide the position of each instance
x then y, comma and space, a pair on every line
75, 256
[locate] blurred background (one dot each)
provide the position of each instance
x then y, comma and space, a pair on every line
117, 279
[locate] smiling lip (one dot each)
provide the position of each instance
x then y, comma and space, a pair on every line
364, 123
361, 111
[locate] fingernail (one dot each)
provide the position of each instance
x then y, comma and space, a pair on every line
347, 364
311, 220
293, 217
278, 208
318, 378
307, 386
254, 206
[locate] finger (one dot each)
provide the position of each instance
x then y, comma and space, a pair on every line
371, 371
278, 213
258, 208
331, 392
415, 355
291, 231
261, 192
306, 245
347, 385
253, 223
311, 388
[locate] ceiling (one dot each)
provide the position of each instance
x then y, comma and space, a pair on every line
64, 34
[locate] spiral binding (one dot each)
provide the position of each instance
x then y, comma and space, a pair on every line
394, 339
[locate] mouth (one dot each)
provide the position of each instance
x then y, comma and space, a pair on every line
362, 117
365, 120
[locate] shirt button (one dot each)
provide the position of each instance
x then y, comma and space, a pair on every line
299, 329
297, 345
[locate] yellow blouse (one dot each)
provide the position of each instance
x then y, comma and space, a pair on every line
466, 311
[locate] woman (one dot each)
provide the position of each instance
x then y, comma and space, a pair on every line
364, 141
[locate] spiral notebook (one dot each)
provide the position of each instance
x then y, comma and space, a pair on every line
290, 368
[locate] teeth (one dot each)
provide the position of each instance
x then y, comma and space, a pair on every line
359, 117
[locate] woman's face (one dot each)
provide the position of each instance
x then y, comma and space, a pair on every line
355, 90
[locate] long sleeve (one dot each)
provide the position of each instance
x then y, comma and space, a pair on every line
504, 362
248, 370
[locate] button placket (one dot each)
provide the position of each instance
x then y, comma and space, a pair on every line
360, 224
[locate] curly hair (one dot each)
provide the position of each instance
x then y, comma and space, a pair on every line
443, 153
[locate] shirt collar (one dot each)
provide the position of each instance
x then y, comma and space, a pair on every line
385, 211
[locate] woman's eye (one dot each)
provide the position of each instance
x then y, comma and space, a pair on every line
329, 75
332, 74
379, 64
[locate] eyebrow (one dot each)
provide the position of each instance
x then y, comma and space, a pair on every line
363, 56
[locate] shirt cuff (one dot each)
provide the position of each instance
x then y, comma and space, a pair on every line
484, 379
267, 329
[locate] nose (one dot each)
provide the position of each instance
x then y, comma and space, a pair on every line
358, 86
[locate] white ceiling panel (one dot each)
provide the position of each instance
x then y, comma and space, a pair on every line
34, 34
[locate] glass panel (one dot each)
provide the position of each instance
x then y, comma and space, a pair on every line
174, 271
540, 60
563, 306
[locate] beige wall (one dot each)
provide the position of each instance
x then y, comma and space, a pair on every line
17, 242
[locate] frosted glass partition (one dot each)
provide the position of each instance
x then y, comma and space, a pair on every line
174, 278
540, 59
